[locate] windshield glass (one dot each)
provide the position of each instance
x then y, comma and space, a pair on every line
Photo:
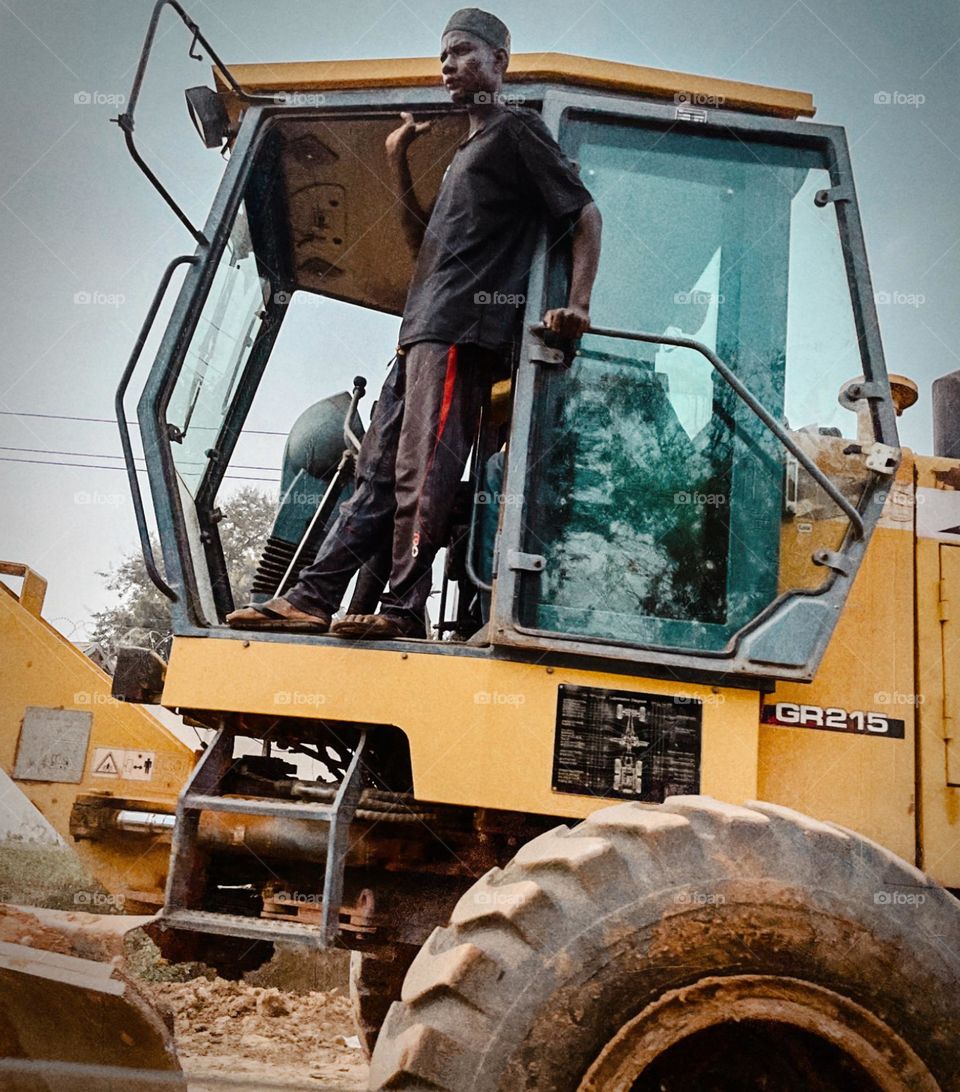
666, 512
218, 352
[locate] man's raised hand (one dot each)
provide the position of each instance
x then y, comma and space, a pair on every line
400, 139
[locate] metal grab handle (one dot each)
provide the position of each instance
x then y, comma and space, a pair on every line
125, 120
471, 547
152, 571
744, 394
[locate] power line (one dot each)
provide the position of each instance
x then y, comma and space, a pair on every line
113, 421
107, 455
98, 466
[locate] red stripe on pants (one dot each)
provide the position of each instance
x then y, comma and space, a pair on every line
449, 382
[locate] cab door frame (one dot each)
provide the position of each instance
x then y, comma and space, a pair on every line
788, 638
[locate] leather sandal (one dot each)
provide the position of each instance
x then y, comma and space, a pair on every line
267, 616
374, 627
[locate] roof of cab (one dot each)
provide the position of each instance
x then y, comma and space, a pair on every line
563, 68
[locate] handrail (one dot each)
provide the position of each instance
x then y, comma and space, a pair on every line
471, 566
744, 394
152, 570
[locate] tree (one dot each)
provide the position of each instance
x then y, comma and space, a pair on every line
142, 616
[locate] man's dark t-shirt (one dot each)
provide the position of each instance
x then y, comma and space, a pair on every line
500, 187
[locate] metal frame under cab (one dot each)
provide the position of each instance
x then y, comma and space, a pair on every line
786, 640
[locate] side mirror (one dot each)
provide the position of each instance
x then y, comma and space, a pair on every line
208, 115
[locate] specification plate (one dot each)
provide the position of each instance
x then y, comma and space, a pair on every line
622, 744
53, 744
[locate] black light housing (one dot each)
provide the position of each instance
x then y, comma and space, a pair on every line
208, 114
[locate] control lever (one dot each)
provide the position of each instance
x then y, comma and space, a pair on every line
311, 538
350, 439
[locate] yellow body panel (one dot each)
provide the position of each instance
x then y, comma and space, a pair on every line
895, 651
631, 79
861, 781
938, 639
481, 731
40, 669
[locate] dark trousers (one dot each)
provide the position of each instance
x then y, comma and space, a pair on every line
411, 459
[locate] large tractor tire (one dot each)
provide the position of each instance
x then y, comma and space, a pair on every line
690, 945
374, 986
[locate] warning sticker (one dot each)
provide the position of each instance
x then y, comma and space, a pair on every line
107, 762
627, 745
116, 762
138, 765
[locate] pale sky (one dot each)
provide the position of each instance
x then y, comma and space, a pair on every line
85, 238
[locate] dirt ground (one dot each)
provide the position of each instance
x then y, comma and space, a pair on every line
288, 1025
234, 1029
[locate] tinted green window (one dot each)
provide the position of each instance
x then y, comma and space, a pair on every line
654, 494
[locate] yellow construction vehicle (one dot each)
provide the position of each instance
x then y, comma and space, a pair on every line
671, 799
106, 776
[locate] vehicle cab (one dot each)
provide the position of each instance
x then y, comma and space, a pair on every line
686, 486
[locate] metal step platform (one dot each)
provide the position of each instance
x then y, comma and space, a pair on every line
186, 880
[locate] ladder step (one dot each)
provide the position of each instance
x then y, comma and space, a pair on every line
239, 925
255, 805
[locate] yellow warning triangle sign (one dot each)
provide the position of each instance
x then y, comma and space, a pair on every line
107, 765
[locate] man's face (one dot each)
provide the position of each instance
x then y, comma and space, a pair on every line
469, 65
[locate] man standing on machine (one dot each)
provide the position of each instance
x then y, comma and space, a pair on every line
507, 177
